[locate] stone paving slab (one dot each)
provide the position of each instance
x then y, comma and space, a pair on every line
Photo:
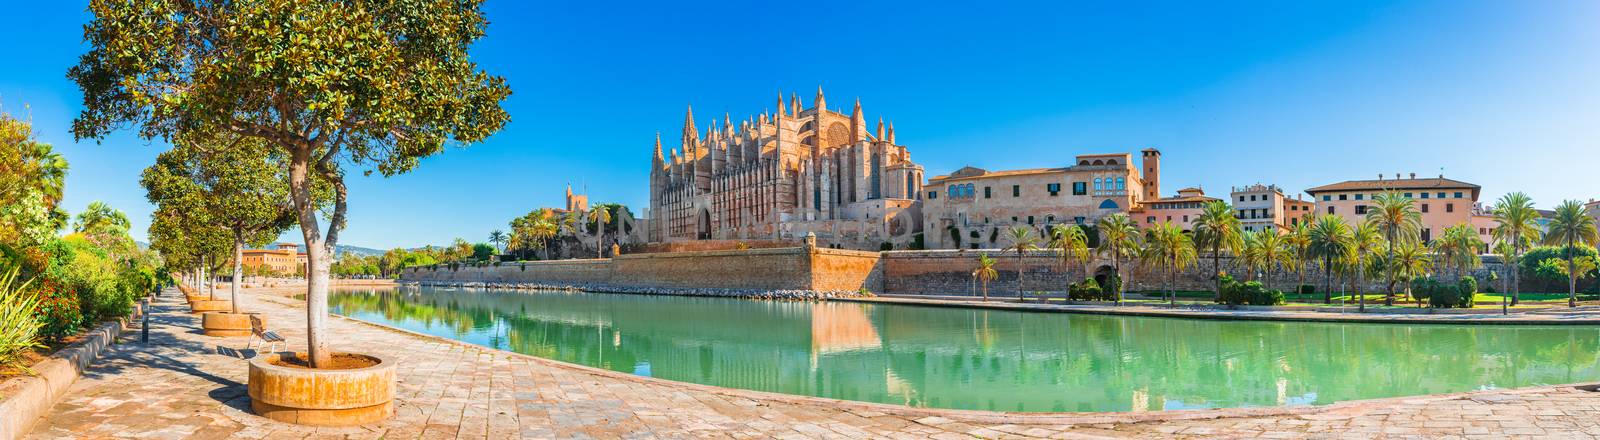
187, 386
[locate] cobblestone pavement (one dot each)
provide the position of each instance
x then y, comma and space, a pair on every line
185, 385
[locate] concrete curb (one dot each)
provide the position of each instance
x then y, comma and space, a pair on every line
1236, 315
28, 398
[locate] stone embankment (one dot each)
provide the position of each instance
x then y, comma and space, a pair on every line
777, 294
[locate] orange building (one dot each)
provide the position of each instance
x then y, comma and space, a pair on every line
285, 259
1442, 202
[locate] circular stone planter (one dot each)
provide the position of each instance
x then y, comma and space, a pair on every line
226, 324
210, 305
322, 397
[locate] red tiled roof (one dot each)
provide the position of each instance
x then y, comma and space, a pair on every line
1396, 184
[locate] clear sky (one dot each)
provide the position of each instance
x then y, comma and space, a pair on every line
1504, 94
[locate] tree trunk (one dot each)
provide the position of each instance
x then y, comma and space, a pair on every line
1361, 298
238, 269
1516, 273
1216, 268
1572, 277
1327, 281
1388, 296
316, 258
1019, 275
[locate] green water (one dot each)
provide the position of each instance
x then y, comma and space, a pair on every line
990, 360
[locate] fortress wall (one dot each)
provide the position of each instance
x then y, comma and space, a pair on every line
752, 269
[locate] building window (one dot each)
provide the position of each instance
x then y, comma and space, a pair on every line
1408, 195
1150, 220
1361, 209
1050, 218
1327, 198
1449, 207
986, 192
1078, 220
1013, 219
1185, 219
933, 194
1053, 188
1121, 184
1424, 206
1108, 204
1441, 195
1458, 195
1097, 184
1330, 210
1080, 188
1424, 195
1030, 219
1358, 196
1241, 198
1016, 190
1342, 197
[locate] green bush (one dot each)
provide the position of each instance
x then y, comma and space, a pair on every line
1445, 295
1468, 288
58, 312
1251, 292
1307, 289
1086, 290
1547, 276
1113, 287
19, 331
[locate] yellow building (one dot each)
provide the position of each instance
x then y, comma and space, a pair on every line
1442, 202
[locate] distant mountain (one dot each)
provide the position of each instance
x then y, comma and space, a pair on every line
358, 250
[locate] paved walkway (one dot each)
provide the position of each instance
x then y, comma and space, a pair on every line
185, 385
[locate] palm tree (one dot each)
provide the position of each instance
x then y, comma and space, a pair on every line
1508, 258
1457, 248
600, 216
1266, 251
1409, 260
1397, 217
1217, 228
1073, 244
499, 238
985, 273
1118, 235
1330, 241
540, 231
1021, 239
1570, 227
1517, 227
1363, 240
1298, 239
1168, 248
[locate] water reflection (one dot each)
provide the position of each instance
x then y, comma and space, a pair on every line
973, 359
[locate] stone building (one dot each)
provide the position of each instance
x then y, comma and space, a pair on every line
969, 207
1442, 202
1183, 209
781, 176
1265, 208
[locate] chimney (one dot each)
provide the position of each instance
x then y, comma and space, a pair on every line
1380, 176
1413, 176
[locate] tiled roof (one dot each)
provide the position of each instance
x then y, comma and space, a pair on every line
957, 176
1395, 184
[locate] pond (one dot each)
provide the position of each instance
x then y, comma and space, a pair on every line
988, 359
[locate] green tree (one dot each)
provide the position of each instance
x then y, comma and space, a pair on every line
1409, 260
1118, 237
1516, 226
1167, 247
1330, 242
482, 251
330, 85
985, 273
1073, 244
1568, 228
498, 238
237, 181
1297, 238
600, 217
1457, 249
1217, 229
1397, 217
1021, 239
1265, 251
32, 179
1364, 239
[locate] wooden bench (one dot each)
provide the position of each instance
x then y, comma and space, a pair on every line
259, 331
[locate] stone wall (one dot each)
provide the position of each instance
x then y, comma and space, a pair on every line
949, 272
791, 268
705, 245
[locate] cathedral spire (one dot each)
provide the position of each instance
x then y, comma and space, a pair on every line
879, 135
780, 104
794, 104
690, 135
658, 157
822, 103
858, 124
891, 132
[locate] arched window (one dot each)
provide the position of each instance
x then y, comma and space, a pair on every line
1108, 204
1111, 162
1099, 162
1121, 184
1083, 162
1097, 184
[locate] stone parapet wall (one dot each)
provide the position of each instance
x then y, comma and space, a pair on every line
751, 270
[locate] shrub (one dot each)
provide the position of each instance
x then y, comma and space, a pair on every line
1113, 287
1445, 295
1307, 289
1251, 292
19, 331
1086, 290
58, 312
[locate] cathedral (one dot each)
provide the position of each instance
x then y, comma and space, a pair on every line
785, 175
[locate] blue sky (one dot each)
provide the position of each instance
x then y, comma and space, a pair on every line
1502, 94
